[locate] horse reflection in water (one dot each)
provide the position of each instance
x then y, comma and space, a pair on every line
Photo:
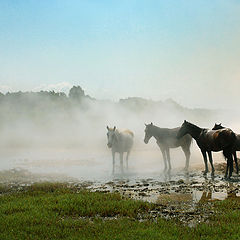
209, 196
166, 139
120, 142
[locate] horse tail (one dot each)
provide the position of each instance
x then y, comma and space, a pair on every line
229, 151
228, 135
226, 153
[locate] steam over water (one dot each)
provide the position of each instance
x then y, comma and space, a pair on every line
50, 132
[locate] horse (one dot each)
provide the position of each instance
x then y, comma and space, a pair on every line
166, 139
120, 142
236, 146
211, 140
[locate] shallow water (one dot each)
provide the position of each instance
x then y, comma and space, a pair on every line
94, 165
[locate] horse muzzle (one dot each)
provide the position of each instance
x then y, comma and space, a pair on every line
109, 145
146, 141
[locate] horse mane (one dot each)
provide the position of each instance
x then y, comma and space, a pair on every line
196, 127
157, 131
124, 131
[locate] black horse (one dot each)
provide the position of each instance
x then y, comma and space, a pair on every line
166, 139
236, 146
211, 140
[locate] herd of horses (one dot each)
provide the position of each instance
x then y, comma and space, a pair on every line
217, 139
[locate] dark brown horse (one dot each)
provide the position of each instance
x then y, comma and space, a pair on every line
236, 146
166, 139
211, 140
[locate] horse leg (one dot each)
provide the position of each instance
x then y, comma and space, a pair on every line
236, 161
211, 161
127, 159
205, 161
228, 155
230, 164
168, 159
113, 159
164, 159
187, 155
226, 173
162, 148
121, 161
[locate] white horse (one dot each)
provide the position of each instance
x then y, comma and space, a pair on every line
119, 142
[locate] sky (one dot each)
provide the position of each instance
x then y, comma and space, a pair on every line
185, 50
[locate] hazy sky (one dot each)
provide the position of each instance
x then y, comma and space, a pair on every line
185, 50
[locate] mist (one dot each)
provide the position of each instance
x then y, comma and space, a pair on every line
51, 132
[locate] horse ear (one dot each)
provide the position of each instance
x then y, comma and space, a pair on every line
114, 128
220, 124
185, 121
151, 123
107, 128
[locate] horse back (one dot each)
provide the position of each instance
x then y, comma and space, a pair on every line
127, 131
168, 137
221, 138
125, 141
225, 133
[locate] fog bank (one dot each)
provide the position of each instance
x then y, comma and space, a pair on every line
41, 130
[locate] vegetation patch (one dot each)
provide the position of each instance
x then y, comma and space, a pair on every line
60, 211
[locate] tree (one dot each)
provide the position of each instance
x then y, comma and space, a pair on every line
76, 93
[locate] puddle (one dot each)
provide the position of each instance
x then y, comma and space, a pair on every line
195, 197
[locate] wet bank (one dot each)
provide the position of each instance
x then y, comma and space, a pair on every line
188, 198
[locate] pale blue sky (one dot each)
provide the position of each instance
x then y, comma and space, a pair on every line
186, 50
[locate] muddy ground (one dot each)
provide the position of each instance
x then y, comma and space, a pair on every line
185, 197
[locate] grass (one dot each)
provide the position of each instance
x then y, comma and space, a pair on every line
55, 211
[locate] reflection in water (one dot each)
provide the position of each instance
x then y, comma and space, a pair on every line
213, 196
167, 176
195, 197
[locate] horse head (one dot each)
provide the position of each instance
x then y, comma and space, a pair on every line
183, 129
148, 132
111, 136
